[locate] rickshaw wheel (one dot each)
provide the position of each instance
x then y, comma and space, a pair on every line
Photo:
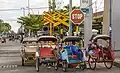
23, 62
65, 65
108, 64
37, 64
82, 67
92, 64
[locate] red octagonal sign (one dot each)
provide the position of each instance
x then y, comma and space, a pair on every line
77, 16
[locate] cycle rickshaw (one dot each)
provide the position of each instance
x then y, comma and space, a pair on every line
70, 54
100, 51
28, 50
46, 51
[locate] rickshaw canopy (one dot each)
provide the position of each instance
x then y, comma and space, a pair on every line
47, 38
30, 39
104, 37
71, 38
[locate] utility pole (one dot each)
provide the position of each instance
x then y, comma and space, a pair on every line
70, 23
22, 26
110, 26
87, 21
53, 5
110, 18
106, 17
29, 12
49, 4
23, 11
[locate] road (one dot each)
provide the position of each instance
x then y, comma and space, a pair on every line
10, 62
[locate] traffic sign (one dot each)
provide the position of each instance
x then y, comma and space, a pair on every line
77, 16
85, 10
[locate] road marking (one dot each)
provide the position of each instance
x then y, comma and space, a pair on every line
8, 66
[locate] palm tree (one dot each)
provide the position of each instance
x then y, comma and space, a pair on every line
32, 22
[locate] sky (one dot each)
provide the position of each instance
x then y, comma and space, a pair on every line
11, 16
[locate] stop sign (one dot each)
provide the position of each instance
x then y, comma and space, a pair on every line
77, 16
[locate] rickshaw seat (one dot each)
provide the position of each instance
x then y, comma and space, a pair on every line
46, 52
30, 49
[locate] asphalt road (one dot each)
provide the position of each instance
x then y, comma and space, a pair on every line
10, 62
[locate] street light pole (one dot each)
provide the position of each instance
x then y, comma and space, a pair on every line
70, 23
28, 7
23, 11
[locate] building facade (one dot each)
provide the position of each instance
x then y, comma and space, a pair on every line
116, 24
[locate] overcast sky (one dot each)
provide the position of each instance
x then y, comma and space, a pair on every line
12, 15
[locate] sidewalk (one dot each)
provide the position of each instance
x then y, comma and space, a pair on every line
117, 59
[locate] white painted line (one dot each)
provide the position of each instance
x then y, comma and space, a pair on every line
10, 66
4, 66
16, 66
7, 66
13, 66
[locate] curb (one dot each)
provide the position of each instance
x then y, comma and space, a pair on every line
116, 64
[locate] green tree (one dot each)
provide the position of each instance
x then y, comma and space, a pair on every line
4, 27
32, 22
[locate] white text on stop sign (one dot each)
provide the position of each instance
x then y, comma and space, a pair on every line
77, 16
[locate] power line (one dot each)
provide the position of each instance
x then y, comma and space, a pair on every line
91, 4
15, 9
9, 9
40, 8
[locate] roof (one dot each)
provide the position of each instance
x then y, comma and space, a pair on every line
47, 38
30, 39
105, 37
98, 14
72, 38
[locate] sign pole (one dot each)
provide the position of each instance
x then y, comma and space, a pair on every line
50, 33
50, 29
77, 29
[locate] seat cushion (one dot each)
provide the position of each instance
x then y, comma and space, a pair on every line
46, 52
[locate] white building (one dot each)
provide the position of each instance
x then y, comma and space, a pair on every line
115, 22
